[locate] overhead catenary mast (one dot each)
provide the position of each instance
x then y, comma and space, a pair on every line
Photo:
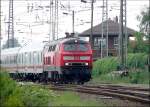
53, 27
123, 37
10, 26
104, 27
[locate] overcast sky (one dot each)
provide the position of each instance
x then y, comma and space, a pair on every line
32, 23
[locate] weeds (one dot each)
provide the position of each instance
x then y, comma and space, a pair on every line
136, 64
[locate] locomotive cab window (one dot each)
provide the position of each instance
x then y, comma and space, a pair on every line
76, 47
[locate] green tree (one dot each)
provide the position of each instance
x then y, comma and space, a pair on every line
139, 45
16, 43
144, 19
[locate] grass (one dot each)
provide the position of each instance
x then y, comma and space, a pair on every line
72, 99
136, 64
14, 95
139, 77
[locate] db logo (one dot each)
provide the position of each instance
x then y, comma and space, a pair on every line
76, 57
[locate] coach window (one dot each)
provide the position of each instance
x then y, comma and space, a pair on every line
41, 57
18, 58
26, 58
29, 58
22, 58
38, 58
15, 59
34, 57
9, 59
6, 60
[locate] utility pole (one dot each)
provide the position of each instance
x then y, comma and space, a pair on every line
123, 34
104, 26
10, 26
92, 8
91, 35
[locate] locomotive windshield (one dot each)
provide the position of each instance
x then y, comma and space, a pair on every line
75, 47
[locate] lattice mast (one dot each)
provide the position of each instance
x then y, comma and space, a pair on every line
123, 37
10, 26
53, 28
104, 26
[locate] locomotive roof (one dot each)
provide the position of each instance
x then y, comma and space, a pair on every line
65, 40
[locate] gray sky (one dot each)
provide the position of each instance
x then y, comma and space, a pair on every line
33, 24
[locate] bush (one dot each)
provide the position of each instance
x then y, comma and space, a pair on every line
35, 96
105, 65
109, 64
14, 95
9, 92
141, 76
138, 60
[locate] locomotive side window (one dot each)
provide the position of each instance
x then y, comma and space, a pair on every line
51, 48
49, 60
54, 47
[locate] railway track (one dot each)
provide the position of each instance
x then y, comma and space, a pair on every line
137, 94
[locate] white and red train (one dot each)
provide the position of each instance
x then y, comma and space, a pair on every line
68, 59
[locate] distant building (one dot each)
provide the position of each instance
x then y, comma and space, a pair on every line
113, 34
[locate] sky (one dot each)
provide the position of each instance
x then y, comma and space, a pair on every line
31, 17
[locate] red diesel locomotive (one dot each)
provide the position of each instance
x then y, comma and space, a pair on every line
68, 59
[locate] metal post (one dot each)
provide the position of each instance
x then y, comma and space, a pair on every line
91, 36
102, 30
104, 26
10, 25
50, 24
121, 34
0, 36
107, 28
73, 21
57, 21
125, 30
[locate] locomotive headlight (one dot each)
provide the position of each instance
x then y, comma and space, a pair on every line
86, 64
68, 57
84, 57
66, 64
